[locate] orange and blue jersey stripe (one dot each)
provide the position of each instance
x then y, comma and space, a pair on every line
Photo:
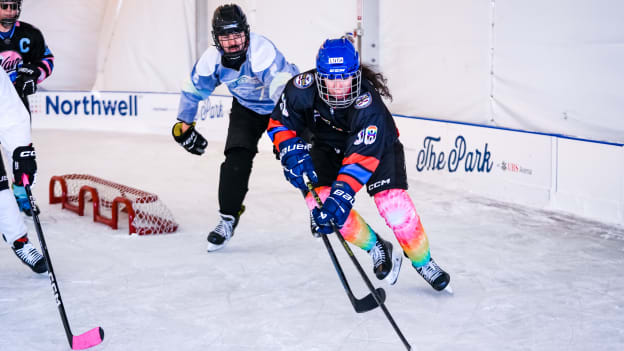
357, 169
278, 132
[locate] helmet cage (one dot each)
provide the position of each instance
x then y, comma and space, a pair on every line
8, 22
338, 61
339, 96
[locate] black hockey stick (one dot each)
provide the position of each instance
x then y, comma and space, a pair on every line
370, 286
364, 304
76, 342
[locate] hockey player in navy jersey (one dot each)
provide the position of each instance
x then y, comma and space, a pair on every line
338, 107
25, 57
255, 72
16, 143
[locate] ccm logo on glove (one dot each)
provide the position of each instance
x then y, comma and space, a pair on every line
27, 154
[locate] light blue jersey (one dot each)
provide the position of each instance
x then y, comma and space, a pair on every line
257, 85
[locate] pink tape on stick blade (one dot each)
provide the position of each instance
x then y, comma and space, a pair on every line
88, 339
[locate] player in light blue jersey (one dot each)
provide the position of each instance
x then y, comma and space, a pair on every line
255, 72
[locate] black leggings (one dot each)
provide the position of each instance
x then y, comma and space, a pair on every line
244, 131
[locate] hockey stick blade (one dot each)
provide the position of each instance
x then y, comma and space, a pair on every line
87, 339
83, 341
368, 302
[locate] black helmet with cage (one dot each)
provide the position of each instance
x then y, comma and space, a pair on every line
12, 5
229, 20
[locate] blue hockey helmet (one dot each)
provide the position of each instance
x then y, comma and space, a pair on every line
230, 20
13, 5
338, 73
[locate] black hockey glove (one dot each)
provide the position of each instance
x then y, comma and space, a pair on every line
191, 140
24, 163
26, 81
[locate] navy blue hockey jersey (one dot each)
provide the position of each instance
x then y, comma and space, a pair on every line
25, 44
363, 131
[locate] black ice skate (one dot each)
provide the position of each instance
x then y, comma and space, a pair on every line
386, 261
27, 253
434, 275
223, 232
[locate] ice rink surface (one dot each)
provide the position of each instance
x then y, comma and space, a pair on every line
523, 279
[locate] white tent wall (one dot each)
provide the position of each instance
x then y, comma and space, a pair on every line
146, 45
436, 57
551, 67
558, 67
116, 45
71, 29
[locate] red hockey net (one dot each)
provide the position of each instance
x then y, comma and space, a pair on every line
146, 213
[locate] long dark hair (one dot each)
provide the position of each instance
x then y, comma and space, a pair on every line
378, 80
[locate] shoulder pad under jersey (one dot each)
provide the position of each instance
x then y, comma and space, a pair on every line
208, 62
262, 52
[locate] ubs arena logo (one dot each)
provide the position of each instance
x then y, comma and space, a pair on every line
91, 105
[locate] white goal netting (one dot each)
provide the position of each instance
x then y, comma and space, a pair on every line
146, 213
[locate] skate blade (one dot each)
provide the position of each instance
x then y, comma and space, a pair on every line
212, 247
449, 290
393, 276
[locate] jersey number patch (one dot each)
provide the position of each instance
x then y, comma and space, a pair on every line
366, 136
283, 105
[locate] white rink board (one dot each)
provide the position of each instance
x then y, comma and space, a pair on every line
514, 167
127, 112
544, 171
590, 180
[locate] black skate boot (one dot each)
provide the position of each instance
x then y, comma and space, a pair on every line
434, 275
224, 231
386, 261
27, 253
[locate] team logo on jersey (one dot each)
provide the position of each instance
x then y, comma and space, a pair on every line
9, 61
303, 81
366, 136
363, 101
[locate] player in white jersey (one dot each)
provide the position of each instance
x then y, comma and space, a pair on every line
28, 61
16, 143
255, 72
